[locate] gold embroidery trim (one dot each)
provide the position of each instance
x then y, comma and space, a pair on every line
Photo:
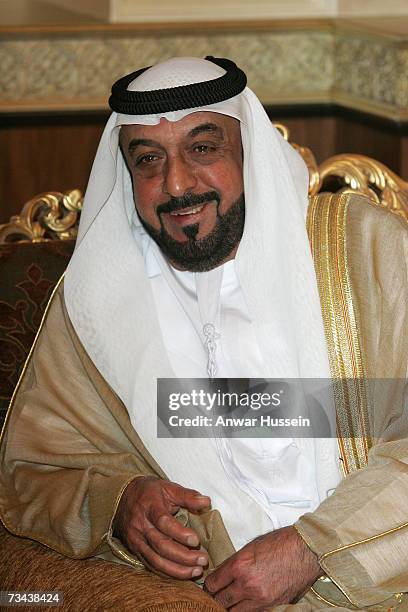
365, 541
397, 596
356, 374
322, 577
138, 565
326, 601
109, 535
326, 224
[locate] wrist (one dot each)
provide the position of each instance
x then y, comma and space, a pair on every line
119, 517
309, 559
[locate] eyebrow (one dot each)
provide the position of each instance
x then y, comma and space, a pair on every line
205, 127
144, 142
199, 129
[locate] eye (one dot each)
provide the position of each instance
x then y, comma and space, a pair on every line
147, 159
203, 148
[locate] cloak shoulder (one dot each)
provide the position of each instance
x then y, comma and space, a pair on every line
361, 531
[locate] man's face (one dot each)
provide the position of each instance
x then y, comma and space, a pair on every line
188, 186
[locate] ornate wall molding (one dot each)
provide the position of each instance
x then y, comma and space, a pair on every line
287, 62
175, 10
129, 11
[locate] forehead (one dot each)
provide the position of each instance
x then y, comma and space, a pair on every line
190, 126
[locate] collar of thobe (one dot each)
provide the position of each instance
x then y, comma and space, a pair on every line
201, 305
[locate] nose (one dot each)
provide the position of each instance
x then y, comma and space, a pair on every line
179, 176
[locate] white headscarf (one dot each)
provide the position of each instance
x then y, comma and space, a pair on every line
107, 292
105, 277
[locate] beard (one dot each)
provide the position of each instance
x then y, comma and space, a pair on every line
206, 253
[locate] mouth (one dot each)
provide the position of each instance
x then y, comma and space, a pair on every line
187, 211
191, 215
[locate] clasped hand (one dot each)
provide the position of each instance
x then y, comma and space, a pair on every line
144, 522
275, 568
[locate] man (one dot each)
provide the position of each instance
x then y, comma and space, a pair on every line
193, 260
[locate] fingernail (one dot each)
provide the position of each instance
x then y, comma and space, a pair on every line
196, 572
202, 561
192, 541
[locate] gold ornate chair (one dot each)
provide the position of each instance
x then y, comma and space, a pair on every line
47, 216
35, 248
352, 172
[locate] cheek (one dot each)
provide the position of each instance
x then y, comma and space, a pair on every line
146, 197
225, 179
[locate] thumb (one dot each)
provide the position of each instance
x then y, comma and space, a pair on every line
191, 499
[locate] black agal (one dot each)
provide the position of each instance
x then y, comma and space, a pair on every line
177, 98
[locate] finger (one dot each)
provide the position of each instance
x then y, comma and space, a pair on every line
220, 578
175, 570
169, 549
247, 605
230, 596
171, 527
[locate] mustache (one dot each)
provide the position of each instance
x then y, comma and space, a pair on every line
187, 200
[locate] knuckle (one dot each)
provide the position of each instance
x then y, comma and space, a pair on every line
225, 599
163, 520
135, 543
171, 491
162, 544
137, 522
157, 516
257, 590
236, 567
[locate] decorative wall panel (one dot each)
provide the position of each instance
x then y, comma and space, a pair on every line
79, 72
371, 74
287, 63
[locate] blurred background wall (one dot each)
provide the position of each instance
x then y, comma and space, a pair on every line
334, 71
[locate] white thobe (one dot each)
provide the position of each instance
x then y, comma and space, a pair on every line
257, 484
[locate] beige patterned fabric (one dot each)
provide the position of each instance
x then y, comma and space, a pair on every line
360, 533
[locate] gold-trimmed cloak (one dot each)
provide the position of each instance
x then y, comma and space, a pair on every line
69, 450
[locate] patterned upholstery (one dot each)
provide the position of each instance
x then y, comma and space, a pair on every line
92, 584
28, 274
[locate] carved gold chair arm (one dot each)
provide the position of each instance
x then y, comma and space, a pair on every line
308, 157
352, 172
368, 176
47, 216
